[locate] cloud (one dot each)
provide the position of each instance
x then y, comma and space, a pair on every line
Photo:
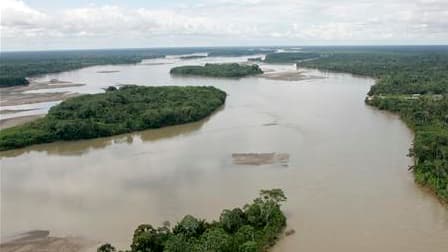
226, 22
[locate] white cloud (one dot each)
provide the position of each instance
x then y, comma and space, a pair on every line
226, 22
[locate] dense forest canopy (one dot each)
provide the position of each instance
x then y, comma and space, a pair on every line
218, 70
413, 82
193, 57
15, 67
289, 57
254, 228
117, 111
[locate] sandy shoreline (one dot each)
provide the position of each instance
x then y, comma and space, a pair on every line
17, 95
288, 76
11, 122
40, 240
12, 111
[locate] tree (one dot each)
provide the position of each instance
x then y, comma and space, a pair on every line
106, 248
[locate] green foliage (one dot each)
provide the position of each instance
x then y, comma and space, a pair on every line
232, 220
16, 67
218, 70
233, 233
289, 57
413, 82
147, 238
249, 246
190, 227
106, 248
193, 57
216, 240
131, 108
236, 51
412, 71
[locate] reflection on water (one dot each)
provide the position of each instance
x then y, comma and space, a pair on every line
77, 148
347, 182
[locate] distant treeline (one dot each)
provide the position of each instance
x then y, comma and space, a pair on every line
218, 70
15, 67
289, 57
193, 57
413, 82
254, 228
117, 111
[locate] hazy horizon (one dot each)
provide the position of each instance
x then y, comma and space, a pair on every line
28, 25
215, 47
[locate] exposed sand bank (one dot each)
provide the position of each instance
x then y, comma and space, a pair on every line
19, 95
288, 76
260, 158
11, 122
108, 71
40, 240
12, 111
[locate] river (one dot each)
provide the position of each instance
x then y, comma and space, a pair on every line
346, 179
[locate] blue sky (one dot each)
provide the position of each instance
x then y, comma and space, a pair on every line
82, 24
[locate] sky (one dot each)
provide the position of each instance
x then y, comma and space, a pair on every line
87, 24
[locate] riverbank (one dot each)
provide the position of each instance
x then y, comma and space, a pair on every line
40, 240
411, 83
117, 111
16, 121
31, 93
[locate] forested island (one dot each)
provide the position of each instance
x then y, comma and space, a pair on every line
16, 67
254, 228
413, 82
218, 70
117, 111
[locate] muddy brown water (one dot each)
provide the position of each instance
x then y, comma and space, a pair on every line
347, 181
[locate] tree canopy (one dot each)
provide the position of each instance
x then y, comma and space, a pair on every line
253, 228
218, 70
413, 82
289, 57
117, 111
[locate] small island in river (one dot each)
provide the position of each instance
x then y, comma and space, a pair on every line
254, 228
218, 70
117, 111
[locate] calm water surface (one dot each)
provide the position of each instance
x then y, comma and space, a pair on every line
347, 182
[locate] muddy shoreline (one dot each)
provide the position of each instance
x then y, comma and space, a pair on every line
24, 95
20, 95
40, 240
15, 121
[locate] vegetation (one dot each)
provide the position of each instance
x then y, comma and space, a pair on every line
236, 51
218, 70
130, 108
193, 57
251, 229
16, 67
413, 82
290, 57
